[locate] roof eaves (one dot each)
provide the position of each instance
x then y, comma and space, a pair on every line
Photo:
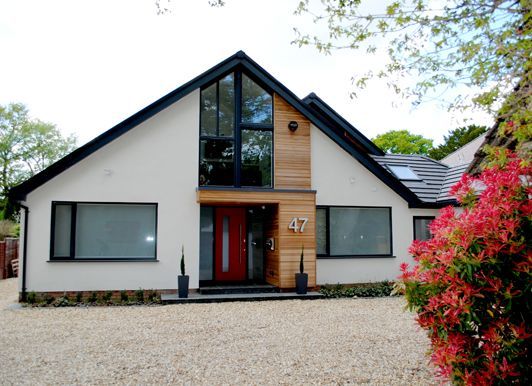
312, 98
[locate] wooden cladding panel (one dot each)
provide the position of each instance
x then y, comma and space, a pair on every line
281, 264
291, 149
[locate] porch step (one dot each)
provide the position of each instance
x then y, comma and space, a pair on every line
238, 289
250, 297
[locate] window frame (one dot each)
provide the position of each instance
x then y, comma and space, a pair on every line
391, 166
237, 130
328, 255
72, 257
414, 218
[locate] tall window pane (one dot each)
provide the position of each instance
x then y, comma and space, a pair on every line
208, 110
256, 103
115, 231
360, 231
256, 158
206, 242
226, 106
62, 228
216, 162
321, 231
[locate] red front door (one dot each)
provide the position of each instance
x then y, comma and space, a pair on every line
230, 244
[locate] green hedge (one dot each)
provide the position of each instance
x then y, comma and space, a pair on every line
370, 290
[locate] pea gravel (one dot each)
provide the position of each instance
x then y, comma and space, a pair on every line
344, 341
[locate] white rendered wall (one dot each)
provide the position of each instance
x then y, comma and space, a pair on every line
157, 162
340, 179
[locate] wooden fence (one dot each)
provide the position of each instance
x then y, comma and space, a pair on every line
8, 253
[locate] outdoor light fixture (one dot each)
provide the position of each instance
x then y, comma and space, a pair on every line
293, 126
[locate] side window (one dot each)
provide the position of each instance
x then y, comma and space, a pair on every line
421, 227
103, 231
353, 231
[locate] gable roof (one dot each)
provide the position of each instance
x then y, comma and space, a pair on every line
312, 107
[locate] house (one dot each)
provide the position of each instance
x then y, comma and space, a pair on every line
244, 174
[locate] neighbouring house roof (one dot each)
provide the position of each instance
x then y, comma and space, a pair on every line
435, 178
464, 154
312, 107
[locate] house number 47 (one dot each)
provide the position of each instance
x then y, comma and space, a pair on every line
298, 224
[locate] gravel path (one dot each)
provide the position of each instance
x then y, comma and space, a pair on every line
347, 341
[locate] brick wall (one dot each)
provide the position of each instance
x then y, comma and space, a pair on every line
8, 252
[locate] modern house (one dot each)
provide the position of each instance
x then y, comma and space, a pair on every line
244, 174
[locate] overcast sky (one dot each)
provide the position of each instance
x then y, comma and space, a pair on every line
87, 65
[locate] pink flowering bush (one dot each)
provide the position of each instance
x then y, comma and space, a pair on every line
471, 287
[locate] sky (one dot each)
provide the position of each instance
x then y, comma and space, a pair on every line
86, 65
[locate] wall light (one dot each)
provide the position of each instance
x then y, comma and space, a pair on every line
292, 126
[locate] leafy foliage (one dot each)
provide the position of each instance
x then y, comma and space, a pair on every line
7, 229
455, 140
403, 142
481, 44
472, 284
373, 290
27, 146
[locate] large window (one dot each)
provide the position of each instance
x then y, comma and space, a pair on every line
236, 133
103, 231
353, 231
421, 227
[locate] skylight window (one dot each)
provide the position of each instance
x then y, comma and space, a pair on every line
403, 172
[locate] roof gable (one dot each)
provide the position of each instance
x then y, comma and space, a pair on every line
312, 107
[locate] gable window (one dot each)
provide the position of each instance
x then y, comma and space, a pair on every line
353, 231
421, 227
236, 133
403, 172
103, 231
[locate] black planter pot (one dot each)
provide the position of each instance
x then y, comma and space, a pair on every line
301, 283
182, 286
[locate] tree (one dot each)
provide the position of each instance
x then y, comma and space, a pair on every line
455, 140
471, 285
482, 44
403, 142
27, 146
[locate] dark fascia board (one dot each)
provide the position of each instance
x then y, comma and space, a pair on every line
238, 60
316, 101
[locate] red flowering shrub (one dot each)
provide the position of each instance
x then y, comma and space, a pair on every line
471, 287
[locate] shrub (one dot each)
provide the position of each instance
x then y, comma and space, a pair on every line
48, 299
79, 297
31, 298
370, 290
106, 297
93, 297
152, 296
471, 287
124, 298
62, 301
139, 295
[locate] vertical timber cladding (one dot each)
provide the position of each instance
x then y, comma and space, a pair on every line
281, 264
291, 149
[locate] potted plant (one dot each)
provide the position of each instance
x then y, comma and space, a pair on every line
301, 277
182, 280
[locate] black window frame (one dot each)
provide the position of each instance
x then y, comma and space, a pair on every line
432, 218
328, 255
237, 129
72, 257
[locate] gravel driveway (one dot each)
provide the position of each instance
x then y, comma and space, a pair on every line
353, 341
